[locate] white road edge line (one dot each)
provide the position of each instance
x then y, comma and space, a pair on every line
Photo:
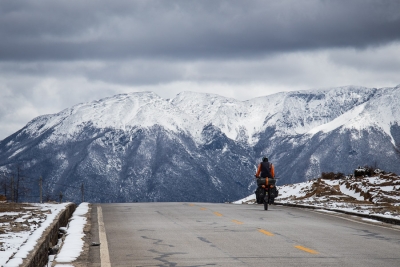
104, 256
360, 222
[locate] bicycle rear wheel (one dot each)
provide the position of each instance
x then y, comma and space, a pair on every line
266, 200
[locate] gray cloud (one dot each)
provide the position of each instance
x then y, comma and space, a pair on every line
55, 54
71, 30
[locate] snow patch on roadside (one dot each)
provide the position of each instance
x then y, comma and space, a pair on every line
73, 243
24, 242
351, 193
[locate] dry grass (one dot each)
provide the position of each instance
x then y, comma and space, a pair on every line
13, 207
19, 217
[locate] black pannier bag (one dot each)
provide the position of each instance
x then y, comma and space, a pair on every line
273, 192
260, 194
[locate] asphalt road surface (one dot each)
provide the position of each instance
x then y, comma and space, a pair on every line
206, 234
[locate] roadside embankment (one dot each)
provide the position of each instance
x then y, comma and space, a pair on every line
74, 245
39, 255
384, 219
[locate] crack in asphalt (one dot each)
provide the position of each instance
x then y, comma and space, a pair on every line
157, 241
163, 257
371, 235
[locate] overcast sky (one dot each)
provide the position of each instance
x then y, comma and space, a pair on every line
55, 54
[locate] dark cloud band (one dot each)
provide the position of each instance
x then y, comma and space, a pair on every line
78, 30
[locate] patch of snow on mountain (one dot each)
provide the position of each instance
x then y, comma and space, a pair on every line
385, 111
299, 112
380, 112
126, 111
17, 152
352, 115
289, 113
227, 114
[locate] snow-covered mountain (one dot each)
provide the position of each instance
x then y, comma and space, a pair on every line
202, 147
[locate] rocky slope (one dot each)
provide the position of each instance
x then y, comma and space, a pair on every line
378, 194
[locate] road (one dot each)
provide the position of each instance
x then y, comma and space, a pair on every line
206, 234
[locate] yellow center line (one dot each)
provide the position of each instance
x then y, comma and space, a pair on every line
203, 208
237, 222
265, 232
218, 214
191, 205
307, 250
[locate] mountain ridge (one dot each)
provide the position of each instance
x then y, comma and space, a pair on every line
144, 148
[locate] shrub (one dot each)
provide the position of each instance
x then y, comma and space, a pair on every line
332, 175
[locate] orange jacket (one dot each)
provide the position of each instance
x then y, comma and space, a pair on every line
259, 170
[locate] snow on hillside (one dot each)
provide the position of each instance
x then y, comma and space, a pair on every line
378, 195
381, 112
301, 111
228, 114
290, 112
123, 112
347, 117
